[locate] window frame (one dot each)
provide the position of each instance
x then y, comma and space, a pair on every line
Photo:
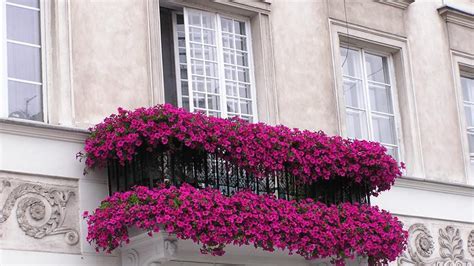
218, 15
4, 109
468, 130
362, 50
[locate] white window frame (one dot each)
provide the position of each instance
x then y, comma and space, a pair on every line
469, 130
220, 61
365, 87
4, 61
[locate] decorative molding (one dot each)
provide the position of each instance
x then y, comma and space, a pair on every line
42, 130
402, 4
258, 6
421, 247
470, 243
40, 211
435, 186
457, 16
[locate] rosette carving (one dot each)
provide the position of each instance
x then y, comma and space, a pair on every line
40, 211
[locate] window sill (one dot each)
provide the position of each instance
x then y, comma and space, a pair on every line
42, 130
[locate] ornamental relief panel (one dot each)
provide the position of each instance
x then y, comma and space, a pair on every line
39, 213
439, 245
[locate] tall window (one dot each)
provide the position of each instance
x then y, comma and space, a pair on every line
368, 97
212, 60
467, 85
23, 60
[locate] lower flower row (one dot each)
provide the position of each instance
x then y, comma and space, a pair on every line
308, 228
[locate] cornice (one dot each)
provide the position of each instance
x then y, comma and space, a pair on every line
435, 186
457, 16
41, 130
402, 4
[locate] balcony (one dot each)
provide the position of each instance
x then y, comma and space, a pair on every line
225, 184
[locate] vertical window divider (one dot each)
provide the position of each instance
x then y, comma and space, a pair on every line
177, 66
43, 45
188, 59
370, 133
220, 67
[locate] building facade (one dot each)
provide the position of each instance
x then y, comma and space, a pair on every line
397, 72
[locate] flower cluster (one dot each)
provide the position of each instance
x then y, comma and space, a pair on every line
310, 229
258, 148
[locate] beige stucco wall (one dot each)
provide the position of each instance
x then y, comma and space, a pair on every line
110, 67
109, 57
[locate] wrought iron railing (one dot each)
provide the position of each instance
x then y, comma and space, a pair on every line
203, 170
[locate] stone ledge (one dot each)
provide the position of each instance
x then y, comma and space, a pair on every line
457, 15
402, 4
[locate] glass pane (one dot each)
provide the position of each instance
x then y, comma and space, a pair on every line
356, 124
184, 88
469, 113
207, 21
241, 43
227, 40
384, 129
195, 34
30, 3
246, 107
198, 84
23, 25
198, 67
226, 25
182, 55
186, 103
210, 53
377, 68
209, 37
24, 62
350, 61
243, 74
380, 98
467, 85
213, 102
244, 90
230, 72
231, 88
212, 85
470, 138
25, 101
183, 72
229, 56
242, 58
353, 93
200, 100
232, 105
239, 27
196, 51
211, 69
194, 18
392, 151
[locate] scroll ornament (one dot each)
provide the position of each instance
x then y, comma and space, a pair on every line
40, 211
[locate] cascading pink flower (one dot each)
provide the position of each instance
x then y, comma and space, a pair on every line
258, 148
310, 229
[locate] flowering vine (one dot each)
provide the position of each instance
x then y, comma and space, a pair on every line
310, 229
258, 148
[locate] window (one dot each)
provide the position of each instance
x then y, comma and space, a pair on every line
467, 85
23, 60
368, 97
212, 59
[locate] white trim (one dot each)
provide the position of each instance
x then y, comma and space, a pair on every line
363, 37
23, 6
217, 17
370, 113
23, 43
464, 60
25, 81
3, 61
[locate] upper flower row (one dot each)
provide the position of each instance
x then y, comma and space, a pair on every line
259, 148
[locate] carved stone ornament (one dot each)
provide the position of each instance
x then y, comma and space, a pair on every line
40, 211
470, 243
421, 247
